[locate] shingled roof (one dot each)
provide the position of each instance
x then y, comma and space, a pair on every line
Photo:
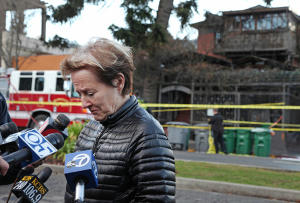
40, 62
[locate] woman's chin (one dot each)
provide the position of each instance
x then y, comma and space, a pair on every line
99, 117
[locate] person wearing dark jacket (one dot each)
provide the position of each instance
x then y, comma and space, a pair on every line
4, 115
4, 118
134, 158
217, 128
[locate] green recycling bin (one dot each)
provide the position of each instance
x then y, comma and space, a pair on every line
243, 141
229, 139
262, 141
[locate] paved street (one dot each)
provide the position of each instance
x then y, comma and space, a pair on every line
56, 183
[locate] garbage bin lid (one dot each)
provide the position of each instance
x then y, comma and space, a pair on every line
260, 130
176, 123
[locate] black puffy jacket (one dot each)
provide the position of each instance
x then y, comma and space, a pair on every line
217, 123
134, 158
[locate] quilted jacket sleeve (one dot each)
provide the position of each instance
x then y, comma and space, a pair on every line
153, 169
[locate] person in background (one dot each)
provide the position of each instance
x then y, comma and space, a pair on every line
134, 158
4, 116
217, 127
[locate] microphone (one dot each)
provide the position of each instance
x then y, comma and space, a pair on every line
10, 144
7, 129
31, 188
81, 171
33, 147
57, 125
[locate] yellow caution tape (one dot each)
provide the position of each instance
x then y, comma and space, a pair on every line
260, 123
193, 109
193, 106
181, 109
232, 128
183, 126
220, 106
47, 103
190, 107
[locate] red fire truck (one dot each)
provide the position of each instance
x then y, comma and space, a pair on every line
36, 95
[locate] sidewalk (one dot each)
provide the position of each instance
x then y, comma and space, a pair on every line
238, 189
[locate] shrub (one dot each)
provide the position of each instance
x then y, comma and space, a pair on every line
73, 131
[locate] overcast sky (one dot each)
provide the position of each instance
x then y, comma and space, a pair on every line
95, 20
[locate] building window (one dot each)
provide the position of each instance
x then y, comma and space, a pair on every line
39, 84
218, 37
59, 84
279, 21
257, 22
25, 84
264, 22
248, 23
233, 23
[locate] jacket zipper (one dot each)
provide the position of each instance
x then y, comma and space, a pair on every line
95, 147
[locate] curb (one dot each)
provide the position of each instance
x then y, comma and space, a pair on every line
238, 189
217, 186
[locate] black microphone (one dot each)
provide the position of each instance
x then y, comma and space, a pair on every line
25, 171
31, 188
7, 140
6, 130
10, 144
58, 125
34, 147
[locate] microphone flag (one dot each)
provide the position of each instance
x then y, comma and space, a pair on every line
81, 165
31, 188
39, 146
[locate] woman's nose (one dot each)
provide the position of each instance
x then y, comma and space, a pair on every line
85, 102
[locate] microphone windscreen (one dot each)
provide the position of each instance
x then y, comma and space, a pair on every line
44, 174
62, 121
8, 129
56, 139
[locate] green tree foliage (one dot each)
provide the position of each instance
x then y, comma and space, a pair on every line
183, 11
140, 24
60, 42
69, 10
69, 145
145, 31
142, 30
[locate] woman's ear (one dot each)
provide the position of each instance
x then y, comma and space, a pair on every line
119, 82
